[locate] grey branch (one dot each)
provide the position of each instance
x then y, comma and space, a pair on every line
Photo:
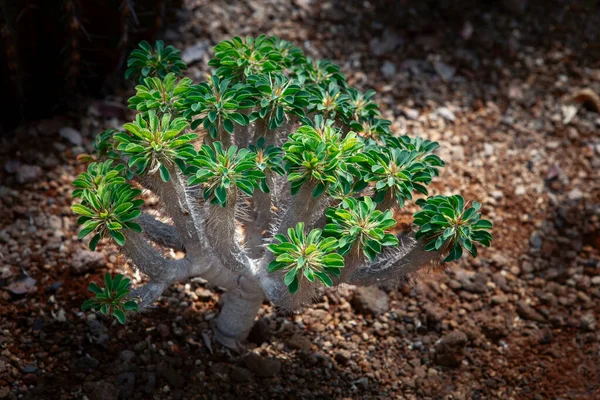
160, 233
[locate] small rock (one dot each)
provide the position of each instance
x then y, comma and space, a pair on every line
260, 332
195, 52
4, 392
262, 367
389, 42
575, 195
527, 312
388, 69
126, 356
370, 300
520, 190
163, 330
86, 260
101, 390
170, 375
126, 384
86, 363
30, 368
362, 383
588, 322
342, 356
30, 379
450, 350
445, 113
239, 374
499, 299
299, 342
536, 240
22, 286
28, 173
72, 135
148, 382
445, 71
410, 113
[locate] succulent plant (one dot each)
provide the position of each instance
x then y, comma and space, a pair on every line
278, 178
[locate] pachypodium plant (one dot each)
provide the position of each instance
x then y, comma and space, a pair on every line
276, 179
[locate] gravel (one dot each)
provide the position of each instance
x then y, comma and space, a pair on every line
527, 305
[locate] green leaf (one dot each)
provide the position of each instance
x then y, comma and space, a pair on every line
164, 173
118, 236
120, 315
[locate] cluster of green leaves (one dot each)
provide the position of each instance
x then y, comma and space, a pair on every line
217, 104
372, 128
318, 72
425, 149
154, 144
113, 299
163, 96
269, 160
325, 158
218, 170
154, 62
359, 222
306, 255
239, 58
268, 81
446, 223
108, 204
276, 96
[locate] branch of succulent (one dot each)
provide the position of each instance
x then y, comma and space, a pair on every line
289, 184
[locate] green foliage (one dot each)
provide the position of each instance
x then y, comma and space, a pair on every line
328, 160
432, 163
327, 100
154, 144
360, 222
319, 72
113, 299
275, 97
164, 96
218, 171
108, 204
447, 224
397, 173
158, 62
359, 106
372, 128
269, 159
217, 104
310, 256
303, 121
237, 59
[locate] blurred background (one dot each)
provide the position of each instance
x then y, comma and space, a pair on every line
509, 88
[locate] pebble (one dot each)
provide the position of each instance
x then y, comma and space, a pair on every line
445, 113
86, 260
450, 349
525, 311
536, 240
261, 366
72, 135
172, 377
588, 322
370, 300
388, 69
575, 195
101, 390
195, 52
239, 374
28, 173
299, 342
